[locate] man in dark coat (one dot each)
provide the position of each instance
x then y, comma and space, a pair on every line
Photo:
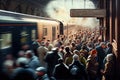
51, 59
80, 73
23, 72
60, 69
100, 57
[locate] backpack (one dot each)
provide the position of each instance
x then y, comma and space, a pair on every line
74, 70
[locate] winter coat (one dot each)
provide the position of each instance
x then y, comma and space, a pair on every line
61, 72
82, 74
92, 66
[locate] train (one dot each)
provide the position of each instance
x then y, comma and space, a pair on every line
17, 29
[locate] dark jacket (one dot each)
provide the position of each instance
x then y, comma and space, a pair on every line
82, 74
52, 59
61, 72
92, 67
23, 74
101, 55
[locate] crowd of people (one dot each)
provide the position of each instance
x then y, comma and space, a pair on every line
81, 56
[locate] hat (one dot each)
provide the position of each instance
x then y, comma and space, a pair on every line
94, 51
55, 49
41, 69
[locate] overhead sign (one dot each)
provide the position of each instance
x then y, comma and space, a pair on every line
87, 12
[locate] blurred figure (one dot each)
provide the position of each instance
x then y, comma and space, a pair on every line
108, 72
25, 47
92, 65
51, 59
23, 72
61, 52
50, 46
84, 51
68, 56
81, 57
21, 54
35, 45
8, 68
77, 70
100, 57
109, 48
42, 50
33, 60
60, 69
41, 73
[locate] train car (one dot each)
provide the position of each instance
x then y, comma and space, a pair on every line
17, 29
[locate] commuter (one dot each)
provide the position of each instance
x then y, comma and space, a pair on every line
25, 47
109, 48
92, 65
108, 72
77, 69
81, 57
41, 73
78, 44
42, 50
8, 68
51, 59
73, 46
21, 53
33, 60
61, 71
50, 46
61, 52
47, 43
35, 45
68, 56
84, 51
100, 57
23, 72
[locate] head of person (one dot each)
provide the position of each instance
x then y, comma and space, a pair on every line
21, 54
93, 52
40, 71
75, 57
29, 54
76, 52
55, 49
50, 46
109, 57
103, 45
67, 49
25, 47
109, 45
22, 62
8, 65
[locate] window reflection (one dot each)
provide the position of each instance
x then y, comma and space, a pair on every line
5, 40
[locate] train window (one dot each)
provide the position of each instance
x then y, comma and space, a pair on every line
44, 31
24, 36
33, 35
5, 40
53, 33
